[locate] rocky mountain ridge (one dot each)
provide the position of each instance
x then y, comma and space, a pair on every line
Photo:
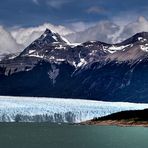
53, 67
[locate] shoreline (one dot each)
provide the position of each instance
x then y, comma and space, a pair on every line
121, 123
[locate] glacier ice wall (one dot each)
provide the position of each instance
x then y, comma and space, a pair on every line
33, 109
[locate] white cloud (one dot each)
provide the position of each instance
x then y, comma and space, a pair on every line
96, 10
101, 31
7, 42
110, 32
132, 28
80, 26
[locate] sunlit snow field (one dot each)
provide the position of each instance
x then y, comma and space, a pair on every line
33, 109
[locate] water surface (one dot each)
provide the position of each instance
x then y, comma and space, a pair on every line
43, 135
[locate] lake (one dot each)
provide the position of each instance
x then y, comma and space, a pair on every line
44, 135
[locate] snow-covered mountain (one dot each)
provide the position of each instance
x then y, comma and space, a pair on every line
20, 109
26, 36
53, 47
53, 67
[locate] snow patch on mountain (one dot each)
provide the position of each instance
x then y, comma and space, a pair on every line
82, 62
142, 39
144, 47
114, 48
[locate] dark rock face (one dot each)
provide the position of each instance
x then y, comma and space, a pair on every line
51, 67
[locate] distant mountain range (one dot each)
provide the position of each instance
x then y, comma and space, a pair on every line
53, 67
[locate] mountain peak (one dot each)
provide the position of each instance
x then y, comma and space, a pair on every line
48, 31
138, 37
54, 37
142, 37
49, 40
50, 37
142, 34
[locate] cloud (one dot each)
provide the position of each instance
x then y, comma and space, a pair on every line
36, 2
57, 3
96, 10
80, 26
110, 32
52, 3
134, 27
102, 31
7, 42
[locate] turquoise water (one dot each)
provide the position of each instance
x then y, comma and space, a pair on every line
43, 135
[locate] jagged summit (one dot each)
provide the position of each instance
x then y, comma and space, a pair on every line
49, 37
48, 31
46, 41
55, 37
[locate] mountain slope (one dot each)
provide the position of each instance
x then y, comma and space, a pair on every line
53, 67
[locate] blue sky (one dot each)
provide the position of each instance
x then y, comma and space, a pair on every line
34, 12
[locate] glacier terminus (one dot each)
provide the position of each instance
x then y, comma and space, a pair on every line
53, 110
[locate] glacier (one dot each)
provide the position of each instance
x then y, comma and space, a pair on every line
58, 110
